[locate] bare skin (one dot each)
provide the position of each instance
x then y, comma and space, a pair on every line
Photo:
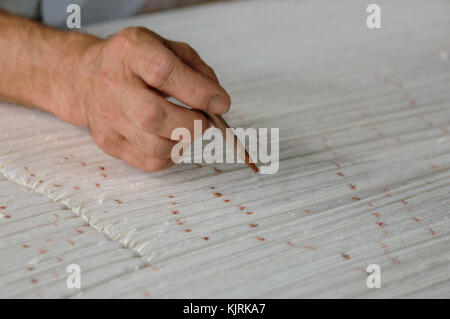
116, 87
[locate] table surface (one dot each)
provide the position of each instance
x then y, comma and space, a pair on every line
364, 118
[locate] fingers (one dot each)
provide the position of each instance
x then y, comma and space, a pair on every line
188, 55
117, 146
163, 70
152, 114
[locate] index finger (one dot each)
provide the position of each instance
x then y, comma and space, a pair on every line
160, 68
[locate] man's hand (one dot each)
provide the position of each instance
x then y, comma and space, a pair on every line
117, 87
122, 85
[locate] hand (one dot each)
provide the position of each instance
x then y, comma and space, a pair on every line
120, 89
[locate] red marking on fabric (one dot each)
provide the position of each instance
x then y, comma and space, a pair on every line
381, 224
32, 175
187, 230
340, 174
118, 201
33, 280
71, 242
260, 238
308, 247
218, 194
249, 213
25, 246
253, 225
97, 185
77, 188
83, 164
356, 198
241, 207
101, 168
205, 238
30, 268
175, 212
79, 231
345, 256
416, 219
404, 202
376, 215
171, 196
352, 186
226, 200
42, 251
431, 231
217, 170
57, 185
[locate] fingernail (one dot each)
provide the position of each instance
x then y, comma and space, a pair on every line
218, 105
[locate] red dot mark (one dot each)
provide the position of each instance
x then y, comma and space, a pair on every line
187, 230
3, 207
226, 200
77, 188
352, 186
260, 238
217, 170
249, 213
217, 194
30, 268
101, 168
171, 196
404, 202
79, 231
6, 215
381, 224
290, 243
340, 174
345, 256
175, 212
356, 198
205, 238
104, 175
25, 246
57, 185
25, 168
179, 222
70, 242
376, 215
431, 231
32, 175
42, 251
253, 225
83, 163
173, 203
33, 280
241, 207
97, 185
212, 187
416, 219
118, 201
40, 181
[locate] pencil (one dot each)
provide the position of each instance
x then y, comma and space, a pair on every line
236, 145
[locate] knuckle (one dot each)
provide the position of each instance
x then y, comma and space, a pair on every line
161, 70
150, 118
126, 38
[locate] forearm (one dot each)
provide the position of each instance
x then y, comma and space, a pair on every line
39, 65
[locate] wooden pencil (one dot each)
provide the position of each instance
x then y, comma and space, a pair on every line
236, 145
